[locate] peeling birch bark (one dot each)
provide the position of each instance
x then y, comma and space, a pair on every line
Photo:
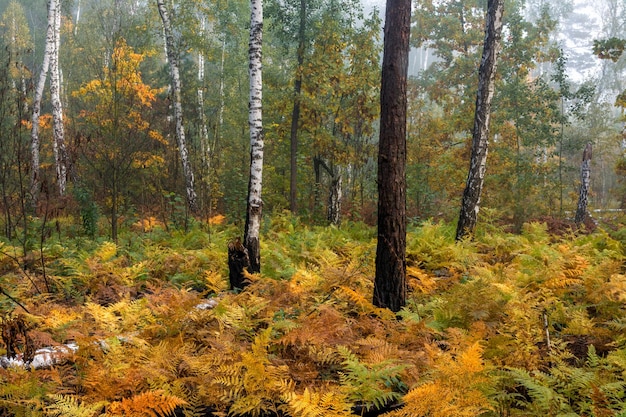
480, 134
585, 180
60, 152
172, 59
255, 121
41, 83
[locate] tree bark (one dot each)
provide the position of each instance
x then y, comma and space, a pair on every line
585, 180
238, 261
255, 121
390, 280
60, 151
205, 147
480, 134
334, 199
41, 83
295, 115
172, 58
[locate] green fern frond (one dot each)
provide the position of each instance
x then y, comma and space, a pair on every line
373, 385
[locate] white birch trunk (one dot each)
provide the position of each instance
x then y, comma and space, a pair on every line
480, 134
205, 147
41, 83
220, 120
178, 107
77, 18
333, 213
255, 121
60, 152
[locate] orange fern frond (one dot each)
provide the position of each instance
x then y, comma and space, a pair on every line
149, 404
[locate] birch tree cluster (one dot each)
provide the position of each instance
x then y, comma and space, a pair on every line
183, 155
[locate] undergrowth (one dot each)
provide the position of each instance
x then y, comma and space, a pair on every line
505, 325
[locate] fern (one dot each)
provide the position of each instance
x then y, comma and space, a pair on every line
254, 385
371, 385
149, 404
315, 404
69, 405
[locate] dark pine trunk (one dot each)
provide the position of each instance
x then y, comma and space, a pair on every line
390, 280
480, 133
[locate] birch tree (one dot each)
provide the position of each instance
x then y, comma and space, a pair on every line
480, 134
255, 121
585, 179
172, 57
390, 279
41, 83
50, 64
60, 152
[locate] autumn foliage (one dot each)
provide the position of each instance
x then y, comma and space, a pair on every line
507, 325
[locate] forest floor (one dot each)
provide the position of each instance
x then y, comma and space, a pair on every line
528, 324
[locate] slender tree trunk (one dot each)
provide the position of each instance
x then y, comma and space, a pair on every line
60, 152
172, 58
114, 207
205, 148
334, 199
77, 18
255, 121
480, 134
295, 115
41, 83
585, 179
220, 119
390, 280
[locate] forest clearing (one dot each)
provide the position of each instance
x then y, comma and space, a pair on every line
528, 324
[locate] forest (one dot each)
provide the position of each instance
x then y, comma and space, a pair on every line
133, 136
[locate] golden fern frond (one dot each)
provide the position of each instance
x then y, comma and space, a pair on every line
314, 404
375, 350
215, 282
359, 300
324, 355
429, 399
106, 251
363, 304
69, 405
420, 281
149, 403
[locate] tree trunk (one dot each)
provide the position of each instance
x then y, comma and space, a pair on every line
585, 179
480, 134
205, 147
238, 261
390, 280
295, 115
60, 152
114, 206
34, 133
172, 58
255, 121
334, 199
